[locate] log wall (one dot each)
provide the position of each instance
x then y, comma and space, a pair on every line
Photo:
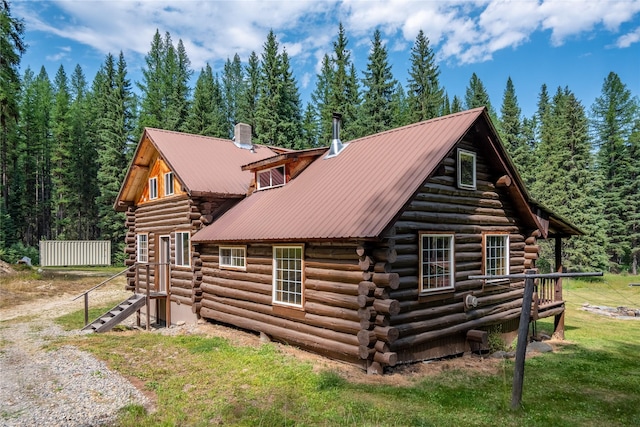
165, 217
329, 322
414, 325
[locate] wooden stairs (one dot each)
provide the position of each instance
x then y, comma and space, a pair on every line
117, 314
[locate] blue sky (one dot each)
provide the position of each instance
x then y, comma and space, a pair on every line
574, 43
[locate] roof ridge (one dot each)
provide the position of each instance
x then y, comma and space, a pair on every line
195, 135
422, 123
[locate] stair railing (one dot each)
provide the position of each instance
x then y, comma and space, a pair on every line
86, 294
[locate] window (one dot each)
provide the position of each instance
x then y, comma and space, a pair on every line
466, 170
153, 188
233, 257
183, 249
436, 262
287, 275
271, 178
143, 248
168, 183
496, 254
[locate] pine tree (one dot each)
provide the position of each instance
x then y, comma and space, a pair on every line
343, 89
112, 107
250, 93
425, 96
630, 191
378, 89
309, 128
232, 89
64, 199
476, 96
456, 105
613, 114
568, 182
152, 104
11, 49
83, 164
321, 98
511, 133
207, 114
176, 85
290, 109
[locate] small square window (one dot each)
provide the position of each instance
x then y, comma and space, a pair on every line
273, 177
168, 183
153, 188
466, 170
183, 249
233, 257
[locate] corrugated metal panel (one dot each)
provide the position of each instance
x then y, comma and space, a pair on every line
353, 195
74, 252
201, 163
207, 164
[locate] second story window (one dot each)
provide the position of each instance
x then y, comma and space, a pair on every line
153, 188
466, 170
168, 183
273, 177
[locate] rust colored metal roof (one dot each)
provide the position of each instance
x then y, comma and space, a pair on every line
202, 164
353, 195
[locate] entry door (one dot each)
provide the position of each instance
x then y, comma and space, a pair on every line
163, 268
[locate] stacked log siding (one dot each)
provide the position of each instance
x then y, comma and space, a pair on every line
328, 323
435, 326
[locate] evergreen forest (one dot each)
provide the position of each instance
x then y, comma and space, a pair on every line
66, 141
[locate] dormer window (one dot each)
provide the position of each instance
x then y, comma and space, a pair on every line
153, 188
274, 177
168, 184
466, 170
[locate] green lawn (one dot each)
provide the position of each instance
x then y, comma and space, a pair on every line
592, 380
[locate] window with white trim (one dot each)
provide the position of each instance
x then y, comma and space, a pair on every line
287, 275
168, 184
233, 257
153, 188
496, 254
466, 170
142, 248
436, 262
183, 248
273, 177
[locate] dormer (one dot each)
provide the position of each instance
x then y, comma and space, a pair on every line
278, 170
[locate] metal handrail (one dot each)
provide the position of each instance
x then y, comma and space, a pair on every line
86, 294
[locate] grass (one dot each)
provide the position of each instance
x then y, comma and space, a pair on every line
593, 379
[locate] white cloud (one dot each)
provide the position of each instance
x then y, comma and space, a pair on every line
628, 39
459, 30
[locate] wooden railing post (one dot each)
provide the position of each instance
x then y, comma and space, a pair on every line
86, 308
148, 301
523, 338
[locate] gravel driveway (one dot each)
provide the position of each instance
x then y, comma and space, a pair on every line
63, 386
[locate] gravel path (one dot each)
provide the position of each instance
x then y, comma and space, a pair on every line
63, 386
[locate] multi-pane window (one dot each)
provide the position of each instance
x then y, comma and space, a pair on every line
153, 188
233, 257
183, 248
273, 177
466, 170
287, 275
496, 254
143, 247
436, 262
168, 183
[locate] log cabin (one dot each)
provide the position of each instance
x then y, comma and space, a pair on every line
362, 251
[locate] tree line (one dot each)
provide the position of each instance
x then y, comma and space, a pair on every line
66, 143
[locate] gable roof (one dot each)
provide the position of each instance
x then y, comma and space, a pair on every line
356, 194
202, 164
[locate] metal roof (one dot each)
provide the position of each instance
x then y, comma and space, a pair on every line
353, 195
202, 164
